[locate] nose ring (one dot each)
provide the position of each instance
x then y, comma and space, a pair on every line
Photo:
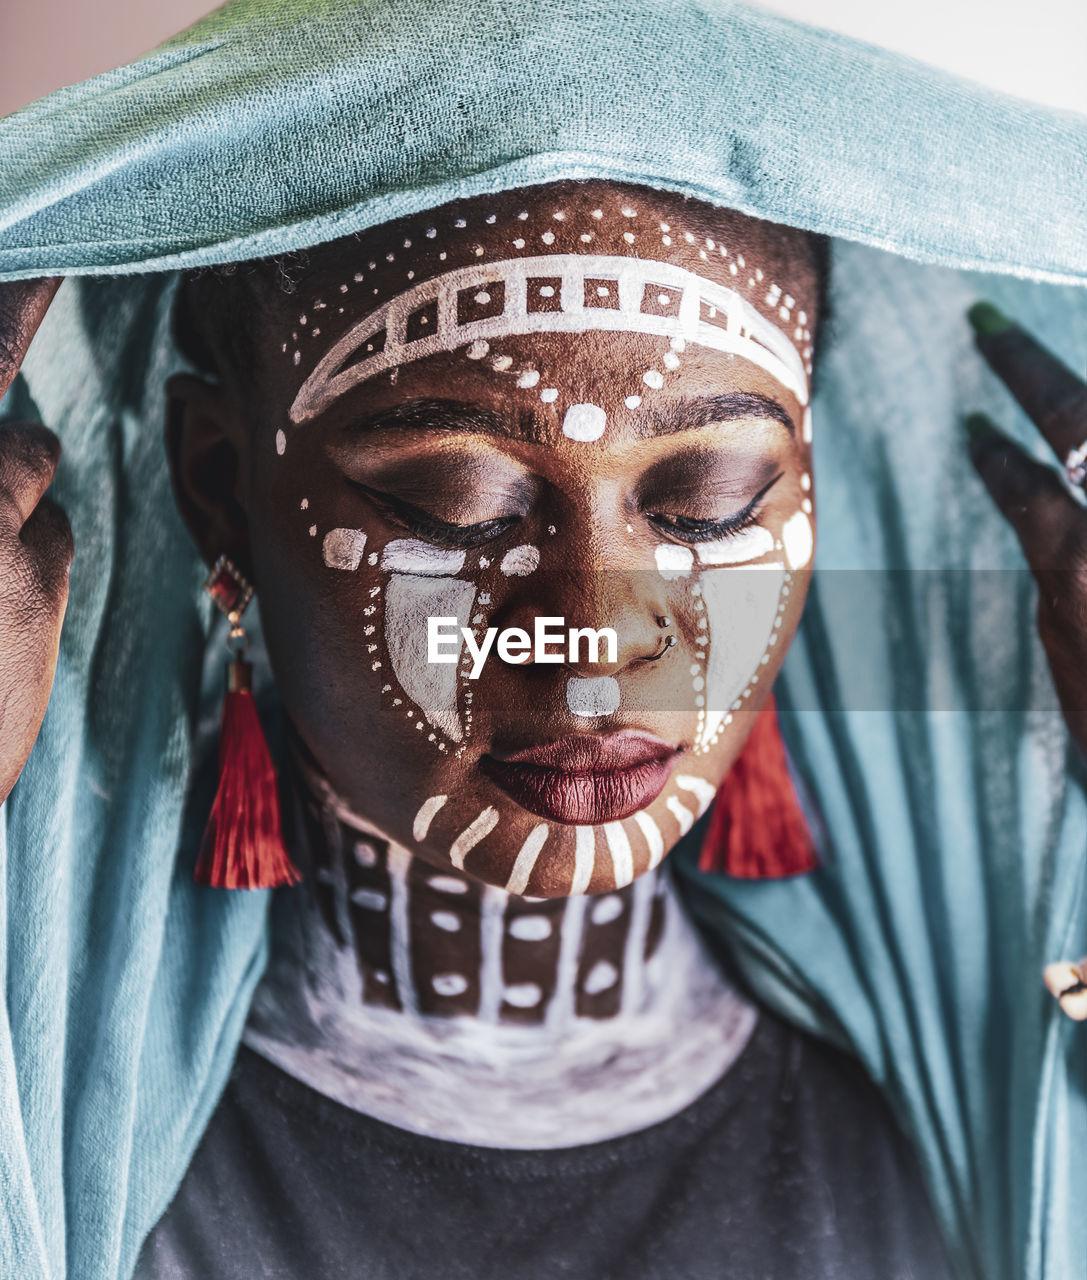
667, 642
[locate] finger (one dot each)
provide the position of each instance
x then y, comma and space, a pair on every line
47, 536
23, 304
1053, 397
1050, 524
29, 454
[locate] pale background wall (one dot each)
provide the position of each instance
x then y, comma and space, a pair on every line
1036, 50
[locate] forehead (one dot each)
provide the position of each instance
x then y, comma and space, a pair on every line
567, 257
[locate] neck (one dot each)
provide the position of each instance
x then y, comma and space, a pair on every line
459, 1010
437, 943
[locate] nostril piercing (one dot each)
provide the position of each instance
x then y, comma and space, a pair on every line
667, 642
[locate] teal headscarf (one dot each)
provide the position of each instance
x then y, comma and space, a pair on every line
926, 731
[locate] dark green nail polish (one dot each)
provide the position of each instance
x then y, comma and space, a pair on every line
977, 425
987, 320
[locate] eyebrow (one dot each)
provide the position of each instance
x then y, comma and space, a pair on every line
703, 411
660, 420
437, 415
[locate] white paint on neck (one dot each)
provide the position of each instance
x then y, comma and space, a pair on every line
530, 928
492, 927
560, 1012
565, 1081
601, 977
398, 863
634, 969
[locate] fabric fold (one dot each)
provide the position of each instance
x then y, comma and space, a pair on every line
916, 701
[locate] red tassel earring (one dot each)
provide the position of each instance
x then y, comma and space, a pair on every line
757, 830
243, 844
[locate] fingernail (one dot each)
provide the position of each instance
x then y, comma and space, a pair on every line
987, 321
977, 425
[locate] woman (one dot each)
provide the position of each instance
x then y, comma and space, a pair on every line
909, 1029
489, 833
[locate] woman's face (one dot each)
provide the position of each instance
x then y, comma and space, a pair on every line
581, 402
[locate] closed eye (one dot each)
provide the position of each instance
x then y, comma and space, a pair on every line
422, 524
692, 529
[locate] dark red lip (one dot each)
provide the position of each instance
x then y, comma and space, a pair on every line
582, 778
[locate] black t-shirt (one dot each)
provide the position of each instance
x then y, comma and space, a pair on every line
791, 1167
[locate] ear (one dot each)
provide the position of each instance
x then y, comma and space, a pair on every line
207, 444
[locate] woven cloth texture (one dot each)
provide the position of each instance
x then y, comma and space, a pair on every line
925, 731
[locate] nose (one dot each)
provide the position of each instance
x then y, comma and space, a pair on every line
584, 605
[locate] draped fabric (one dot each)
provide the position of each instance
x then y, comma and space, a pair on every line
916, 701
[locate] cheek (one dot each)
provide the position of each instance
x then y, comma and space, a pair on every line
740, 611
745, 598
433, 687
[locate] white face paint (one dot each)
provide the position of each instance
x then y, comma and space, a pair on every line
425, 816
477, 829
520, 561
638, 296
621, 856
584, 422
699, 311
410, 599
592, 696
750, 544
412, 555
526, 860
742, 606
343, 548
702, 791
798, 539
653, 838
673, 561
584, 859
681, 813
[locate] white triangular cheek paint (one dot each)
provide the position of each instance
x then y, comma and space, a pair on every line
742, 612
420, 586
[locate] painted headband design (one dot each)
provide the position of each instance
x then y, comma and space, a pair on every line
559, 293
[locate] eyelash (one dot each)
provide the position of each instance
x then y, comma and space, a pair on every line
466, 536
430, 528
687, 529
